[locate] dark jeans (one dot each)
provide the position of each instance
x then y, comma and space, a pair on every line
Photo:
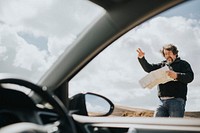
174, 107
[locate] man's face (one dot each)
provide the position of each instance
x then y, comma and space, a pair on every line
169, 56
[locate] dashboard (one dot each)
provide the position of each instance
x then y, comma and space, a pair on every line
115, 124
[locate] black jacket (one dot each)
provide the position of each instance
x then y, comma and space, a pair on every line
177, 88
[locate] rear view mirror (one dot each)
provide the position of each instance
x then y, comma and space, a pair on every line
90, 104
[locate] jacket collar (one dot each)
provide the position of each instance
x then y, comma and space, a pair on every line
176, 60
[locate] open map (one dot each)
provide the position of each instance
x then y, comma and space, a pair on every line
156, 77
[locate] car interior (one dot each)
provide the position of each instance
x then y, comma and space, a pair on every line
44, 106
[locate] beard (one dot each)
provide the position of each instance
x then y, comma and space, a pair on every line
170, 60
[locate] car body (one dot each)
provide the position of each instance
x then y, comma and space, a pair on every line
38, 100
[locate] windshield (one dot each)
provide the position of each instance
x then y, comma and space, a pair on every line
33, 34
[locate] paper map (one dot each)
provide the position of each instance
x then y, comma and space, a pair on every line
155, 77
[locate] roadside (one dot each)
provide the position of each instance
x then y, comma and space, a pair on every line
137, 112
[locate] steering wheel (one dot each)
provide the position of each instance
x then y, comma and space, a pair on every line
64, 124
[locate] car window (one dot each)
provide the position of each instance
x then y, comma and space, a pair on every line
33, 34
115, 72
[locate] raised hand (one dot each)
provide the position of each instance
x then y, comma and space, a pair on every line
140, 53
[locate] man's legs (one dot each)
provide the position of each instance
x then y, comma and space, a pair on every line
171, 108
176, 107
162, 110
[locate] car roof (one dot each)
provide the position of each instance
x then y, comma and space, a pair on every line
120, 17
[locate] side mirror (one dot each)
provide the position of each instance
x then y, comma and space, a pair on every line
97, 105
90, 104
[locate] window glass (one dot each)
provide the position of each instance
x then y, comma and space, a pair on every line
33, 34
115, 72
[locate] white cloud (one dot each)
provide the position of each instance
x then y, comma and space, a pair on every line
2, 50
49, 17
15, 12
52, 20
23, 56
115, 72
56, 46
29, 56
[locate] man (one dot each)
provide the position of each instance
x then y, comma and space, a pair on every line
173, 93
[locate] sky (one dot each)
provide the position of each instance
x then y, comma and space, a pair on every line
34, 34
115, 73
39, 34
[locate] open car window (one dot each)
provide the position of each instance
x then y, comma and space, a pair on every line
115, 72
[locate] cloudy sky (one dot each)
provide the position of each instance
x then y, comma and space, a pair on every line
33, 33
115, 72
29, 30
